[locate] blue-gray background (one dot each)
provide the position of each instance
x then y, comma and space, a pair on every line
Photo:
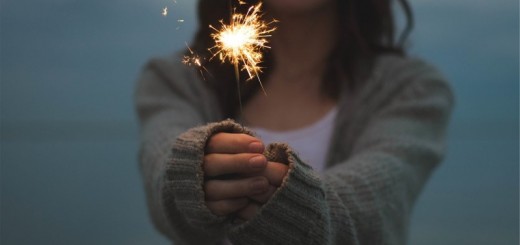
69, 136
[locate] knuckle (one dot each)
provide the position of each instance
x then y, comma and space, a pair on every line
225, 207
217, 136
208, 159
256, 185
205, 161
244, 139
214, 141
241, 162
220, 208
235, 141
214, 208
209, 189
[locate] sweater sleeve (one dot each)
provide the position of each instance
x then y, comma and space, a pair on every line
170, 101
367, 198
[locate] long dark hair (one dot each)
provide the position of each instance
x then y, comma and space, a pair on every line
367, 27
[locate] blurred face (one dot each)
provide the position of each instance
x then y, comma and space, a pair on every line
297, 6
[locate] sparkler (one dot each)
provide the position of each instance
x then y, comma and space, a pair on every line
242, 41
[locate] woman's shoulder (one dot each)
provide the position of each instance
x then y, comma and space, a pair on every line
393, 63
168, 65
391, 71
392, 74
395, 68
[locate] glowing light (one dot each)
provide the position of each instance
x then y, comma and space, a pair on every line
242, 41
195, 60
165, 11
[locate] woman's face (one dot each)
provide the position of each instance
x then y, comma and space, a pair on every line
297, 6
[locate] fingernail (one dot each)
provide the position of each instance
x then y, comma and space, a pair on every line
256, 147
259, 186
257, 162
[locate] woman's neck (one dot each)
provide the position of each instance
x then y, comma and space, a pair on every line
302, 43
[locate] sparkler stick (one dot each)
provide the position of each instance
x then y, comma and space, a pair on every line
241, 42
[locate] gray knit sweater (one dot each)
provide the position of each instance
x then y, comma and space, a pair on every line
388, 137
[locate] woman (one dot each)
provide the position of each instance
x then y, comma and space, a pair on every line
363, 127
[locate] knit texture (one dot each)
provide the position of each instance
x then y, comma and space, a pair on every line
388, 137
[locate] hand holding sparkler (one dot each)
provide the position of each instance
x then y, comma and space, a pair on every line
254, 179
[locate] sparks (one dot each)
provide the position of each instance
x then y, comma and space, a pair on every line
195, 60
165, 11
242, 41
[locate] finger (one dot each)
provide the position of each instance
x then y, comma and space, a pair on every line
264, 197
249, 211
227, 189
275, 172
218, 164
234, 143
228, 206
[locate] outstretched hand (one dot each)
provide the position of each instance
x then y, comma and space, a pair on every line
239, 179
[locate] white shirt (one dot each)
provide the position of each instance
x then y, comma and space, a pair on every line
311, 143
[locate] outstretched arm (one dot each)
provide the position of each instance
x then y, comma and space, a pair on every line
367, 198
169, 101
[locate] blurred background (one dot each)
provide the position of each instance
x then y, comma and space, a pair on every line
69, 136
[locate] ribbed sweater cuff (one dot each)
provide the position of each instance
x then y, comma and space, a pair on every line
296, 213
184, 177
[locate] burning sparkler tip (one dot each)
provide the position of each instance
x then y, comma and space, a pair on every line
241, 42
